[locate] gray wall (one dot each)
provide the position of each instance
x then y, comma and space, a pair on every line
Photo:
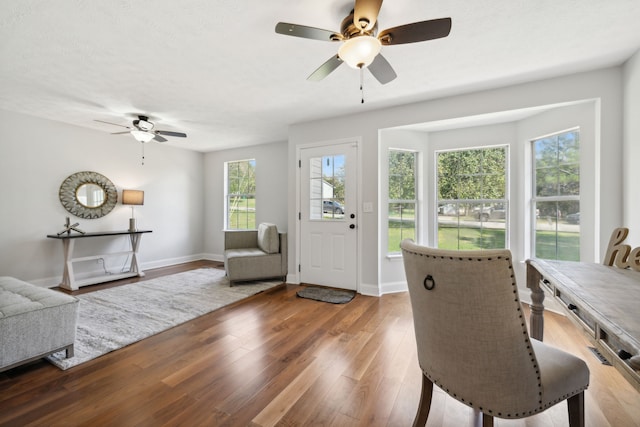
36, 155
184, 193
271, 190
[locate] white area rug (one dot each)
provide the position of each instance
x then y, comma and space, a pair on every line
112, 318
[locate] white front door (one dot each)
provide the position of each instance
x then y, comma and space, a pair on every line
328, 215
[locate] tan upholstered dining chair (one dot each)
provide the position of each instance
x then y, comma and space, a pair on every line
473, 342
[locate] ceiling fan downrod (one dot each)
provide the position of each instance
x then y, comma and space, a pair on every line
362, 84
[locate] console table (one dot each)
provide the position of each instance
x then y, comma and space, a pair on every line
603, 300
69, 280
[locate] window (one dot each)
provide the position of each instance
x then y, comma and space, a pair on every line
327, 184
556, 196
403, 202
472, 204
241, 195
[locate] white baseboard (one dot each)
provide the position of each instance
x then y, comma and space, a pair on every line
394, 288
369, 290
213, 257
383, 289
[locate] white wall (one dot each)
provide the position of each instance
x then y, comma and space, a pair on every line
36, 155
631, 150
603, 85
183, 190
271, 190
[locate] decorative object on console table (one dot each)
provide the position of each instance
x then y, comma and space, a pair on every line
133, 198
68, 227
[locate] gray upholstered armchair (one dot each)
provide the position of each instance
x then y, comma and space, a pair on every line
473, 342
255, 254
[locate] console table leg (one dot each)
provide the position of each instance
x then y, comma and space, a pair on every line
536, 319
135, 244
68, 279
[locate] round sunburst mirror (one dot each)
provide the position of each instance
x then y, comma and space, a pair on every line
88, 195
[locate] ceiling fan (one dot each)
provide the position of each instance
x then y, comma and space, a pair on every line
361, 44
142, 130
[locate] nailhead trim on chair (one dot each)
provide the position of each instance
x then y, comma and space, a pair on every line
541, 407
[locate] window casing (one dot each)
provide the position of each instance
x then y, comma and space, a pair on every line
472, 202
556, 196
402, 201
240, 197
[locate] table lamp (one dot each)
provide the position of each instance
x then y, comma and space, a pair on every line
133, 198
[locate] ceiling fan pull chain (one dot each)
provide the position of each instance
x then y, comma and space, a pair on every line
362, 83
142, 154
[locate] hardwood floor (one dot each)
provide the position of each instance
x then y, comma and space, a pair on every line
275, 359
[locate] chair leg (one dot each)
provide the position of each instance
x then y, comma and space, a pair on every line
575, 405
481, 419
425, 402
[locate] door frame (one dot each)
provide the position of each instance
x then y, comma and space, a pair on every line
357, 140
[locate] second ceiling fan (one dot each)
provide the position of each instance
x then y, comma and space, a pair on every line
361, 43
143, 130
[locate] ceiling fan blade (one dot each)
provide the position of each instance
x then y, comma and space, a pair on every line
325, 69
158, 138
109, 123
169, 133
365, 13
120, 133
382, 70
416, 32
307, 32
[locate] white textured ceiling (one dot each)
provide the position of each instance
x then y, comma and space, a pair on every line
216, 69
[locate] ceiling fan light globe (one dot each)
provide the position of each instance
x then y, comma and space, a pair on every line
142, 136
360, 51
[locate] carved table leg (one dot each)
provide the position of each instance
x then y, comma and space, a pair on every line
536, 318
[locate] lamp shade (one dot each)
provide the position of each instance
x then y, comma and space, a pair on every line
142, 136
360, 51
132, 197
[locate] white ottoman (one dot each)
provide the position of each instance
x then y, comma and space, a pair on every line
34, 322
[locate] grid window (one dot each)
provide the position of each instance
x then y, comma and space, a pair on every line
556, 200
241, 195
403, 203
472, 204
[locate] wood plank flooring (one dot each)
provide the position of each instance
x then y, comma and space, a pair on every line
275, 359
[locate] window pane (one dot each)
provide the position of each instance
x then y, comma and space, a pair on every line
327, 184
402, 220
241, 188
402, 198
557, 233
464, 176
557, 197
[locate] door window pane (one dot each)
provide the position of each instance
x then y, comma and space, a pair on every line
327, 183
